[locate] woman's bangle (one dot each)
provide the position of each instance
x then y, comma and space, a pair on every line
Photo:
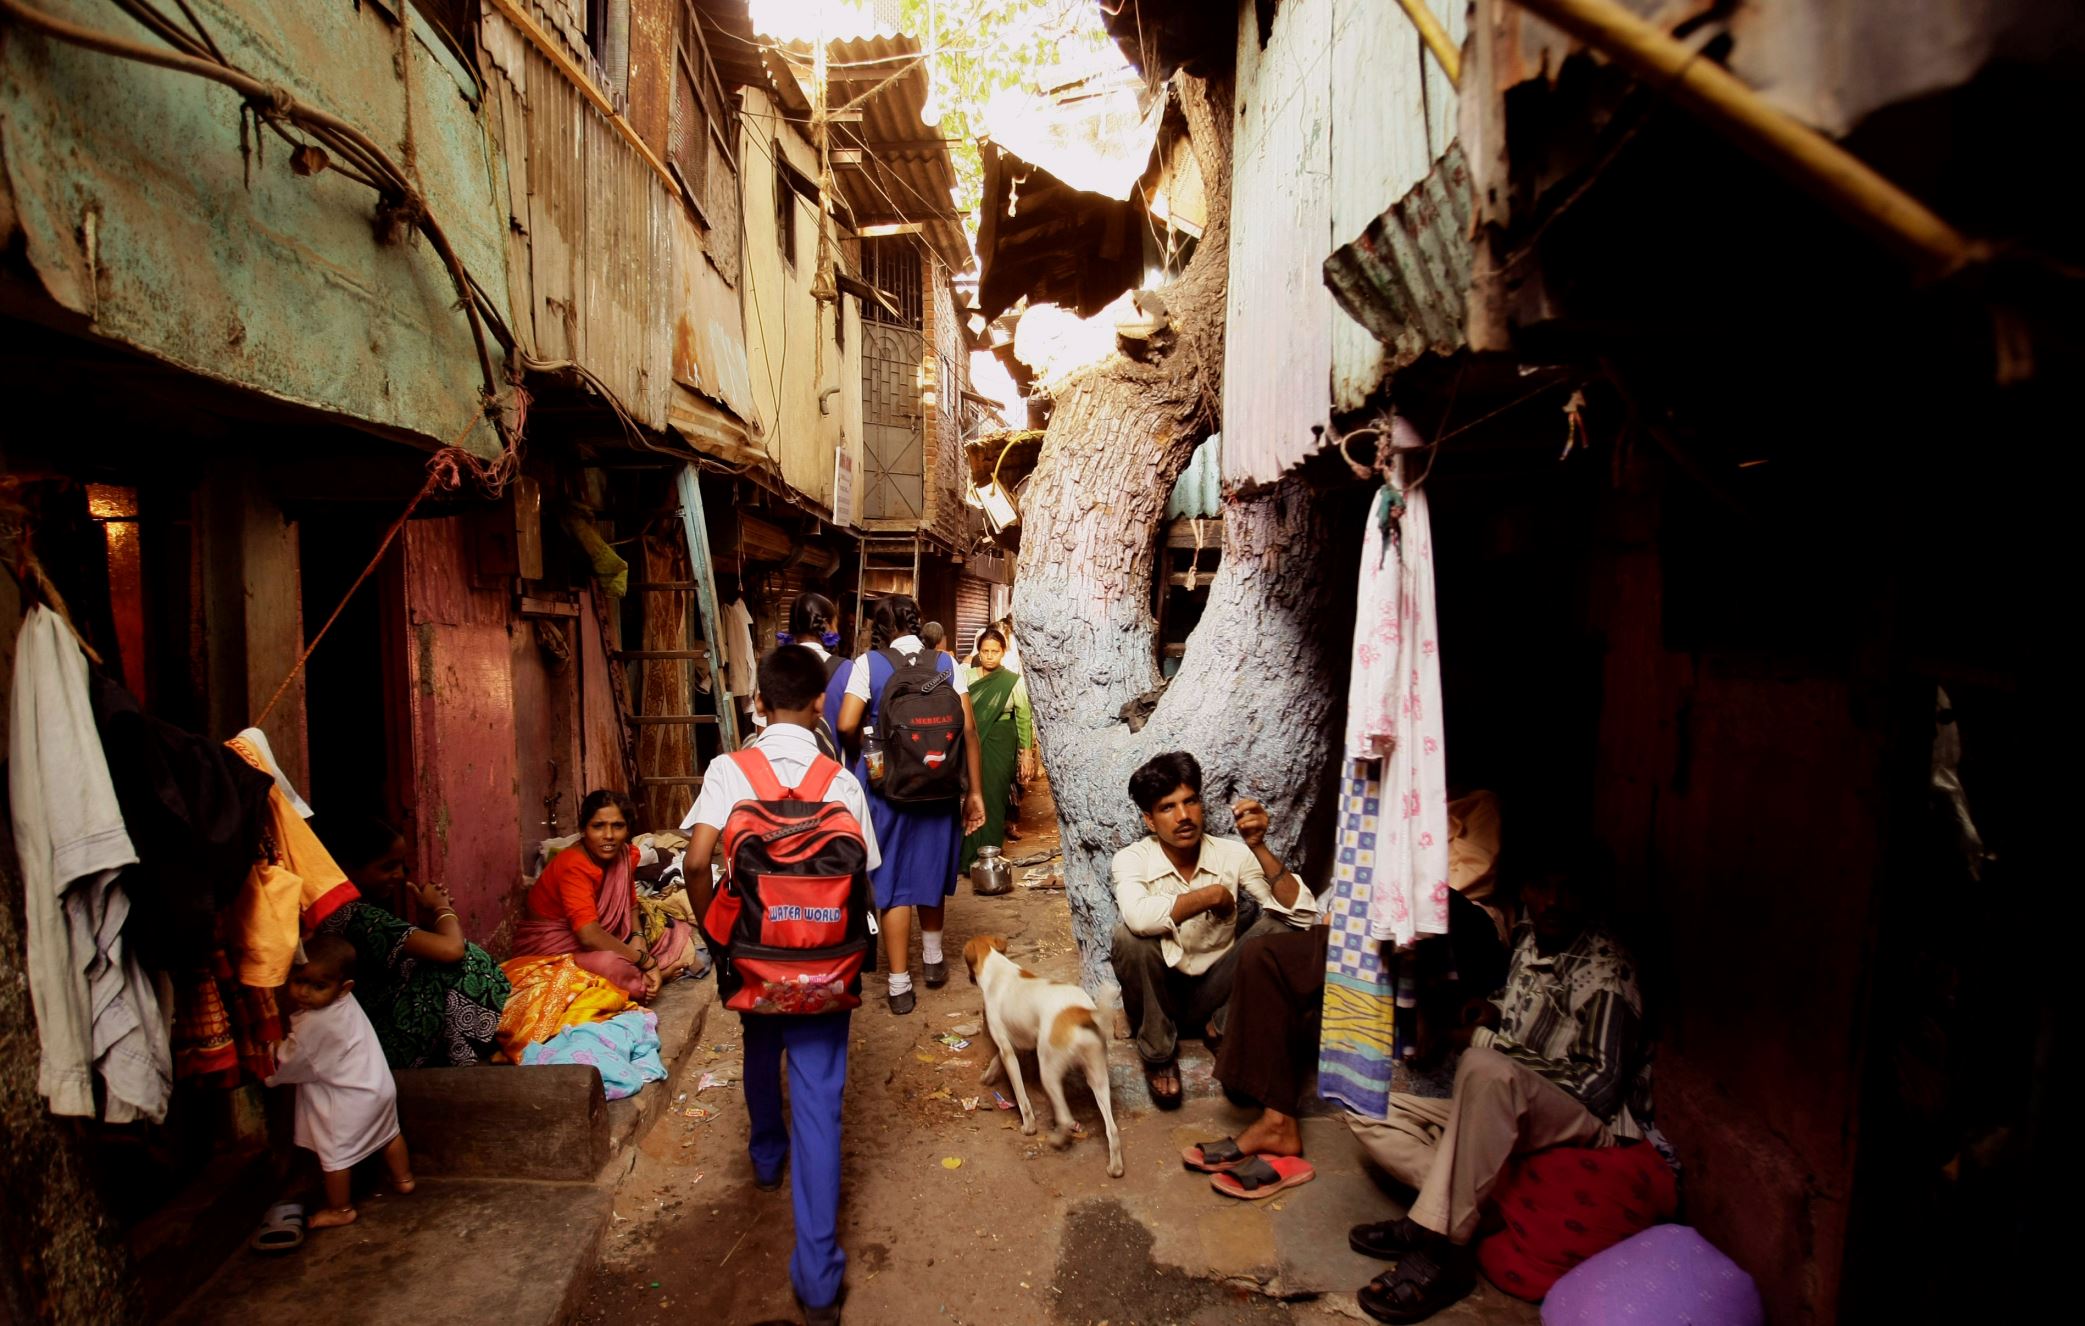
445, 911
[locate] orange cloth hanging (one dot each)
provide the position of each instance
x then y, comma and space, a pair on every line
286, 895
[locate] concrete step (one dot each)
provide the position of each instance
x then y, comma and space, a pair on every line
463, 1123
487, 1250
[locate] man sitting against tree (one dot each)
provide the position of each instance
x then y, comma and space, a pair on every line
1558, 1059
1187, 899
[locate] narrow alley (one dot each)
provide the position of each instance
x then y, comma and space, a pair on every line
1449, 598
951, 1215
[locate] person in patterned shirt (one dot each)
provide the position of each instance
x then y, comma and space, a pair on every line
1557, 1058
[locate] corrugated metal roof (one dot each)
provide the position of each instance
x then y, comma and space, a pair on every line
1405, 278
1198, 492
907, 174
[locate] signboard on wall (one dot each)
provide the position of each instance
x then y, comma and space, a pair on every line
843, 487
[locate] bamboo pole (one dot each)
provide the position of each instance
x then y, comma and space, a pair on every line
1436, 38
1815, 163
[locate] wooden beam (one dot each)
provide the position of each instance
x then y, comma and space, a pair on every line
1813, 162
1436, 38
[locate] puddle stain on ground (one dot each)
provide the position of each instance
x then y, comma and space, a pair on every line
1105, 1272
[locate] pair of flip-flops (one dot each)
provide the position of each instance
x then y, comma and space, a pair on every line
1252, 1178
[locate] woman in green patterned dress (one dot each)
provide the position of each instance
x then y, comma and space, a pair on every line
433, 996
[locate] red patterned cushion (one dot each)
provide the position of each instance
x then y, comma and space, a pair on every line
1566, 1204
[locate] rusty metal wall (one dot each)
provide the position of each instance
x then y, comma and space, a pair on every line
462, 700
605, 263
946, 471
791, 353
1339, 116
133, 203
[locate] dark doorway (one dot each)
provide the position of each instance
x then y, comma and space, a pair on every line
357, 721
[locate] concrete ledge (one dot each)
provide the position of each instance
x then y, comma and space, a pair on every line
501, 1122
548, 1122
683, 1009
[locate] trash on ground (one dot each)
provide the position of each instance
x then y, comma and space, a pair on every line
709, 1080
953, 1041
1043, 878
970, 1104
1002, 1101
963, 1029
957, 1063
925, 1058
951, 1162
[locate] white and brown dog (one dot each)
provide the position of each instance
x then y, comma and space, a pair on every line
1056, 1021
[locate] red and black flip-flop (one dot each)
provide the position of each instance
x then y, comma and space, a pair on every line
1214, 1157
1262, 1177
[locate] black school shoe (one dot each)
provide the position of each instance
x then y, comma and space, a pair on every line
829, 1315
937, 974
773, 1184
901, 1004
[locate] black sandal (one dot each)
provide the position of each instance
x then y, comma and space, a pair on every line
1387, 1240
1213, 1157
1424, 1282
1165, 1100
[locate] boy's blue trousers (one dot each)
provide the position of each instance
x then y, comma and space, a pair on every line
809, 1141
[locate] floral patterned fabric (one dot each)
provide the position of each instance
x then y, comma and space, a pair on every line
1394, 716
425, 1013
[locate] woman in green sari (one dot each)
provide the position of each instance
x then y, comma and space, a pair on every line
432, 995
1006, 737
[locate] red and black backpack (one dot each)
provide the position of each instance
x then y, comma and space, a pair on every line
792, 924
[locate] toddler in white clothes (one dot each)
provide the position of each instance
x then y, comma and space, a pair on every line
347, 1105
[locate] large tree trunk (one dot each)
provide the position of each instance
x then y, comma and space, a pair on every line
1253, 699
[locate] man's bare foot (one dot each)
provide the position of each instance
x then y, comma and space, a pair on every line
333, 1217
404, 1186
1272, 1134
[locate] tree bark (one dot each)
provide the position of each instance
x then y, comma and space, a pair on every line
1254, 697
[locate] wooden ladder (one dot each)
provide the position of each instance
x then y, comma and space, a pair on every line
703, 584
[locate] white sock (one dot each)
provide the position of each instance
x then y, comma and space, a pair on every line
930, 945
900, 982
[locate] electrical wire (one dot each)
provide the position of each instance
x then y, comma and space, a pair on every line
399, 200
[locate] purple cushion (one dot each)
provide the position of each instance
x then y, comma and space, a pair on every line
1665, 1276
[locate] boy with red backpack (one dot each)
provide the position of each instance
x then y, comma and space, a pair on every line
792, 928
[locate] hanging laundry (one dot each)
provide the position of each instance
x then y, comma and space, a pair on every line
286, 894
738, 636
1394, 713
96, 1011
194, 812
258, 739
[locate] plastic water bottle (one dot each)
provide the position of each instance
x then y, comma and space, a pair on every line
872, 755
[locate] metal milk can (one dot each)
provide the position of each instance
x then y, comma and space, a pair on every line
991, 875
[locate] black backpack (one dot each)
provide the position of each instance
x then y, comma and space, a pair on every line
919, 721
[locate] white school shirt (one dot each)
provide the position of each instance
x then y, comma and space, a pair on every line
347, 1104
789, 750
858, 680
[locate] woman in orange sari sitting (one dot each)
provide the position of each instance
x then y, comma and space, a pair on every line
585, 904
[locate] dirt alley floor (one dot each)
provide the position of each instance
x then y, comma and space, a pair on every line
1015, 1233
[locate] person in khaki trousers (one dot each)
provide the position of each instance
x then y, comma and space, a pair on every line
1557, 1059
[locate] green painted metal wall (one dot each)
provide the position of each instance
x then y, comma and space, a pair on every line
138, 211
